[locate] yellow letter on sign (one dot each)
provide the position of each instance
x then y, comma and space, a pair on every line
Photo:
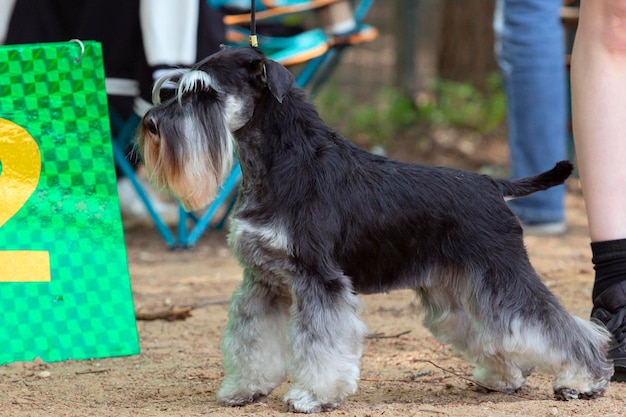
20, 166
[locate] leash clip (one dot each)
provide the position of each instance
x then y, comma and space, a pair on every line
254, 42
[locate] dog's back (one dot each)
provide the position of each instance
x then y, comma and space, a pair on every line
384, 223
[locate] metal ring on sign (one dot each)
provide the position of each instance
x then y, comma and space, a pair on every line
82, 49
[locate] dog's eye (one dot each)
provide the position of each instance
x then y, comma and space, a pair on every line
151, 126
166, 94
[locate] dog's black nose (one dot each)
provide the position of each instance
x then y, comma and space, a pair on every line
151, 125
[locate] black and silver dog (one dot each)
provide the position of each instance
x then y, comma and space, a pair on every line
319, 220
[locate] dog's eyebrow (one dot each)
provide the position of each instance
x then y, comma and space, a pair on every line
184, 80
166, 80
194, 79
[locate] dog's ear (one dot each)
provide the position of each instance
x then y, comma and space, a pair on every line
278, 78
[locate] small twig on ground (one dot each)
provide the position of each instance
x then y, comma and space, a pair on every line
383, 336
168, 313
172, 313
451, 372
96, 371
478, 384
201, 304
432, 411
455, 374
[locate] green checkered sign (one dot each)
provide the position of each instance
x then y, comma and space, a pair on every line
64, 284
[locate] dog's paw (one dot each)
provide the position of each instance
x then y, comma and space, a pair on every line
307, 408
239, 399
568, 394
486, 381
301, 401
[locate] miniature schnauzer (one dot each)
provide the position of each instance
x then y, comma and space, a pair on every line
319, 219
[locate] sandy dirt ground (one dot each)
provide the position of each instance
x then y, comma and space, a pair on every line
179, 369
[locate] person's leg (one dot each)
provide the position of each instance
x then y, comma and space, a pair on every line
599, 111
530, 50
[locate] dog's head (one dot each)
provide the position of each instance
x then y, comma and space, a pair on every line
186, 141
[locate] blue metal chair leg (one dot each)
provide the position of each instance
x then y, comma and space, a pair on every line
189, 238
184, 237
127, 170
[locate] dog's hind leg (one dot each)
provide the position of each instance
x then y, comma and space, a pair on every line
448, 320
526, 326
585, 372
255, 347
512, 324
326, 337
568, 347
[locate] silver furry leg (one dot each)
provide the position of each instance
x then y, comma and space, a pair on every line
507, 346
254, 349
448, 320
326, 336
584, 374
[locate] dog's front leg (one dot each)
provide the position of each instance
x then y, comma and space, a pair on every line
326, 337
254, 349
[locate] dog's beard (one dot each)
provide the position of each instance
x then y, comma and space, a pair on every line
194, 164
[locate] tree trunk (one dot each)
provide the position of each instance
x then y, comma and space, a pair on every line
467, 41
405, 32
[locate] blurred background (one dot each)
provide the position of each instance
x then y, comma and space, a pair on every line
428, 89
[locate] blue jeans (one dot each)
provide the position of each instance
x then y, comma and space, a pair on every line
530, 50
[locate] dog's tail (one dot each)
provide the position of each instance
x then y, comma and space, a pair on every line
524, 186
